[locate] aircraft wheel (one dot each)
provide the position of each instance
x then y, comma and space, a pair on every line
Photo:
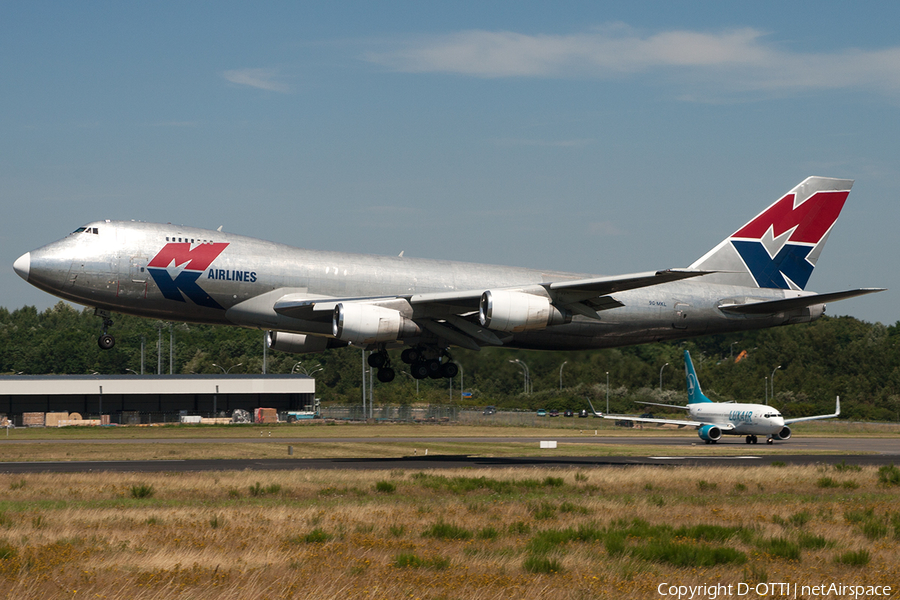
377, 360
708, 442
410, 356
449, 370
106, 341
385, 375
419, 370
754, 439
770, 441
434, 367
749, 439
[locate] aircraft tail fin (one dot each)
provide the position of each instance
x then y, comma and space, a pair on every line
695, 394
779, 247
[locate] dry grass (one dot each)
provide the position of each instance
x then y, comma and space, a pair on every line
516, 533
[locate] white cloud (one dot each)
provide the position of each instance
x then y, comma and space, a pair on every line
733, 60
263, 79
604, 228
574, 143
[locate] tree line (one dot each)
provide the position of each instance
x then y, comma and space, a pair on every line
800, 368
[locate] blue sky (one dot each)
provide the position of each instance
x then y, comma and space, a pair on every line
595, 137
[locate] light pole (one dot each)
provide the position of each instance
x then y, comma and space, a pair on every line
731, 346
773, 381
160, 326
305, 370
524, 371
460, 383
767, 389
660, 375
560, 374
225, 371
607, 392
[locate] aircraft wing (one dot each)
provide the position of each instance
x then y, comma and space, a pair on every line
660, 421
600, 286
681, 422
449, 315
663, 405
837, 412
773, 306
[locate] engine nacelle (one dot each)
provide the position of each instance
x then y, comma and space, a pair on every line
360, 323
517, 311
299, 343
804, 315
710, 433
784, 434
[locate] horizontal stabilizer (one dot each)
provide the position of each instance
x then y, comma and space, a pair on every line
773, 306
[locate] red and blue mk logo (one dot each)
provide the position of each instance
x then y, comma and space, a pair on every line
177, 267
777, 246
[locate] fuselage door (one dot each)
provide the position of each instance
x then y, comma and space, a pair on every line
681, 316
138, 269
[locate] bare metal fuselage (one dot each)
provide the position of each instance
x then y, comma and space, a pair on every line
110, 266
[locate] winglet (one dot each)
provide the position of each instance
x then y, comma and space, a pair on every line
593, 410
695, 394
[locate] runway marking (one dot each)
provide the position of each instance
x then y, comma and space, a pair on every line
93, 462
704, 457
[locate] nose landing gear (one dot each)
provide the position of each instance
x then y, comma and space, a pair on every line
105, 341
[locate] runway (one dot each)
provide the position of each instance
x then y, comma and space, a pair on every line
838, 445
855, 451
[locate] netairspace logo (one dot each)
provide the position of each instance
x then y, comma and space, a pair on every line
784, 589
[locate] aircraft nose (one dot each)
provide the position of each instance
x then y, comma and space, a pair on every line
22, 266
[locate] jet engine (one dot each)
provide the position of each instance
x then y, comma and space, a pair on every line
502, 310
784, 434
710, 433
360, 323
299, 343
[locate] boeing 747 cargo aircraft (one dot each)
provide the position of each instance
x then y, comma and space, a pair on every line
310, 300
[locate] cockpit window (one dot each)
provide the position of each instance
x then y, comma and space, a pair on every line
79, 230
86, 230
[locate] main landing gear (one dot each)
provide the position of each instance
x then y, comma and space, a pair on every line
424, 363
105, 341
424, 366
751, 439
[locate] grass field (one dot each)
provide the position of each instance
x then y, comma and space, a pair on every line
525, 533
517, 533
